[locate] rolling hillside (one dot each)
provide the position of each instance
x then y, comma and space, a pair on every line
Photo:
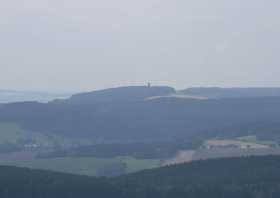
164, 119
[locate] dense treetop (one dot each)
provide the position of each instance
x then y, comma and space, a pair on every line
223, 178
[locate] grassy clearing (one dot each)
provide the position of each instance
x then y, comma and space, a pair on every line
83, 166
254, 139
10, 133
134, 165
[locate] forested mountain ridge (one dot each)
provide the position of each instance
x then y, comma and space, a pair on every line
119, 94
160, 119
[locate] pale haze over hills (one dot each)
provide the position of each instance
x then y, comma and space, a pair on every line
83, 46
8, 96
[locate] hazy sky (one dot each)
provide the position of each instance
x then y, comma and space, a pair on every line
76, 45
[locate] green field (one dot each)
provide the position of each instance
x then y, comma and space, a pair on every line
14, 134
85, 165
254, 139
10, 133
134, 165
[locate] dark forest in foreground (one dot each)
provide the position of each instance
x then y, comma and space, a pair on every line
223, 178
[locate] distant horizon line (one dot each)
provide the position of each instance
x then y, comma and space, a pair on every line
42, 91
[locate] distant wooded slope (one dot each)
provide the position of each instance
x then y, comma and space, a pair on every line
216, 92
130, 117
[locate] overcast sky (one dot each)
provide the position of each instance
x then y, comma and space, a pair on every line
71, 45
